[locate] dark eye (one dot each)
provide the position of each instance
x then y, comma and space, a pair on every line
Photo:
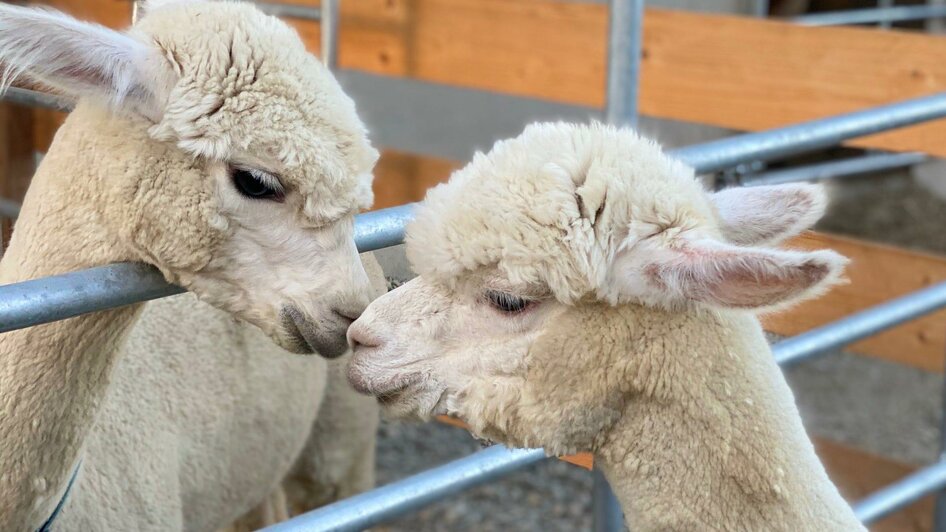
255, 184
507, 303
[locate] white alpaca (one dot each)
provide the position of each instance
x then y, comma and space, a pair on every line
579, 291
209, 143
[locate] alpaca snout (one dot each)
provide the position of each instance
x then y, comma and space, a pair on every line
324, 335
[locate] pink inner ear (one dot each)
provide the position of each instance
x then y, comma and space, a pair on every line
746, 285
745, 278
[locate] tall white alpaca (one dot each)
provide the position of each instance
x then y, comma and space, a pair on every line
579, 291
209, 143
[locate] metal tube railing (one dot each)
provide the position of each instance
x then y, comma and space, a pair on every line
290, 10
860, 325
871, 16
624, 61
874, 162
412, 493
899, 494
708, 157
808, 136
49, 299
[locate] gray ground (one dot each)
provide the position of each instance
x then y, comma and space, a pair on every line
881, 407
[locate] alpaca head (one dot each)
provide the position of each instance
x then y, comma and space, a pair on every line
242, 161
523, 251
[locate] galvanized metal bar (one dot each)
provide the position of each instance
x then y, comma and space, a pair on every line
833, 169
64, 296
624, 61
607, 515
31, 98
329, 31
860, 325
290, 10
382, 228
9, 209
871, 16
885, 4
760, 8
807, 136
895, 496
404, 496
939, 510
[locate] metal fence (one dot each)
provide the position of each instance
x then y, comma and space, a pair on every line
59, 297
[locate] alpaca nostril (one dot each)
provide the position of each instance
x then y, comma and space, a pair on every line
359, 336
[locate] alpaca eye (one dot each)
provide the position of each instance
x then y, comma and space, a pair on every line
507, 303
256, 184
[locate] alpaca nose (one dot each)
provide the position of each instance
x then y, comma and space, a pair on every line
360, 335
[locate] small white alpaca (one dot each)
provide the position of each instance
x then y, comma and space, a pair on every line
579, 291
208, 143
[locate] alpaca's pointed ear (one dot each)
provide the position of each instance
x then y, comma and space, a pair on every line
755, 216
722, 275
80, 59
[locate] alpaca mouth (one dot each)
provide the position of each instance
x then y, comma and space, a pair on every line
392, 396
306, 337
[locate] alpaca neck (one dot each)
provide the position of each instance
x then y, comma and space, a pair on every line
53, 377
719, 443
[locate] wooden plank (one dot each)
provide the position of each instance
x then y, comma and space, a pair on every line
734, 72
16, 159
858, 473
877, 274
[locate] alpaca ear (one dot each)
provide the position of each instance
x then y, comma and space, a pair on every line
723, 275
79, 59
756, 216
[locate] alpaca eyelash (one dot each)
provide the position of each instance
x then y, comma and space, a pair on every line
508, 303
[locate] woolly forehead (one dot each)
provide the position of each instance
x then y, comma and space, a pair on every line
246, 90
551, 208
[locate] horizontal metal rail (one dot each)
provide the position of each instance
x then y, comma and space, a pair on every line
901, 493
64, 296
31, 98
808, 136
290, 10
9, 209
377, 229
412, 493
875, 162
871, 15
860, 325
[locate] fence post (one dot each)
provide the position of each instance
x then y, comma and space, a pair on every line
625, 26
606, 510
624, 61
939, 511
883, 4
329, 29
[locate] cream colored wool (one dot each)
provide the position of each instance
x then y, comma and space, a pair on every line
579, 291
188, 412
